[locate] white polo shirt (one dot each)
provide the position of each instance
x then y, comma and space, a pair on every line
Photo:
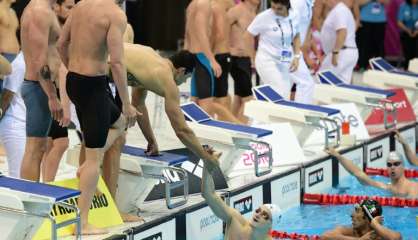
275, 32
338, 18
305, 12
13, 82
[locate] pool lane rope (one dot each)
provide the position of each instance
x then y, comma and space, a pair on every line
409, 173
341, 199
285, 235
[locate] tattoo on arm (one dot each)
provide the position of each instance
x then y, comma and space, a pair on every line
45, 73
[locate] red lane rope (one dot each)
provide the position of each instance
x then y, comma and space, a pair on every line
409, 173
340, 199
280, 235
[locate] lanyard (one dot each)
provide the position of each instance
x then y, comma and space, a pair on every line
281, 30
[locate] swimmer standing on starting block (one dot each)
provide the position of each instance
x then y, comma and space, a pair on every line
367, 224
91, 37
399, 186
237, 227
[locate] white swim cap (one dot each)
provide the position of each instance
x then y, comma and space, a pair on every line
394, 156
276, 213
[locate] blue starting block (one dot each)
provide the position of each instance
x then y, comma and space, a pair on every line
333, 90
230, 139
269, 107
140, 173
384, 75
26, 204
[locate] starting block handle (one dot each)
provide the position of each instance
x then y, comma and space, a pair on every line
244, 143
268, 154
389, 110
76, 221
169, 187
328, 132
54, 225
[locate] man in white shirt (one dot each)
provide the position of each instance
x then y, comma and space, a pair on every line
338, 35
302, 76
13, 118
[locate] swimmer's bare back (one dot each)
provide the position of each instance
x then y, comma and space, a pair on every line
39, 26
90, 32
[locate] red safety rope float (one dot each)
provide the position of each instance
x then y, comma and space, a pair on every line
339, 199
409, 173
284, 235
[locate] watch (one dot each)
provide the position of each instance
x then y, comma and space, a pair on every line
335, 52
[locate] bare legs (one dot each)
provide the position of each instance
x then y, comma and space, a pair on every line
52, 158
31, 163
89, 174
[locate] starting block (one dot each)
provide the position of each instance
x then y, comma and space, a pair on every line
384, 76
269, 106
413, 65
140, 173
333, 90
26, 204
230, 139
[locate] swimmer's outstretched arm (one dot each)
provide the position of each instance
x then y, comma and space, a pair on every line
354, 170
179, 125
5, 67
342, 233
218, 206
410, 155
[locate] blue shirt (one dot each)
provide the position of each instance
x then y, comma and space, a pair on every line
373, 12
408, 15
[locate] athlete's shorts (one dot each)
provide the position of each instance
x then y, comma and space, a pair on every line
10, 57
38, 114
94, 105
221, 83
203, 80
241, 73
56, 131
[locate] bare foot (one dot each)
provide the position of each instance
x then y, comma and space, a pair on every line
92, 230
126, 217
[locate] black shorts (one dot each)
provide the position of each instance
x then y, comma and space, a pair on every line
95, 107
221, 83
203, 80
56, 131
241, 73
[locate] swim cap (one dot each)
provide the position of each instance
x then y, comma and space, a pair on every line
394, 156
371, 208
184, 59
276, 213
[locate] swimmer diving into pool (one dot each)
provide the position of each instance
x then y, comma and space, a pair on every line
237, 227
399, 186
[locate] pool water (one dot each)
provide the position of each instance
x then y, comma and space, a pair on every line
316, 219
